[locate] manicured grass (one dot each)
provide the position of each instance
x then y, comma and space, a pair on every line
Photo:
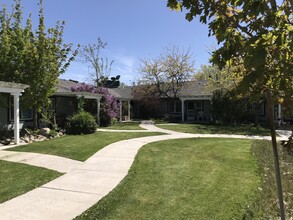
17, 179
125, 126
267, 207
216, 129
184, 179
78, 147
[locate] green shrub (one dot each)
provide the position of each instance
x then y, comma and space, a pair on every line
5, 133
53, 133
81, 123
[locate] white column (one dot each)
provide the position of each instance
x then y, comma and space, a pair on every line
182, 109
16, 117
128, 110
120, 107
98, 111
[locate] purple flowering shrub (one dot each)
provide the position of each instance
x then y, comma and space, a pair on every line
109, 104
83, 87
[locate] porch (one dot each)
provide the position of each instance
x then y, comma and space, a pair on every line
196, 110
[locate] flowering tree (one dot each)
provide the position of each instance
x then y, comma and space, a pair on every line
109, 104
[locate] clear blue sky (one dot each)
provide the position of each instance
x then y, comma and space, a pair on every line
134, 29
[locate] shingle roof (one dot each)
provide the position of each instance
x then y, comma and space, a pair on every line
124, 93
65, 85
189, 89
194, 89
64, 89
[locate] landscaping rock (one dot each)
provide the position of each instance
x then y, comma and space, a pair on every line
45, 131
60, 133
25, 138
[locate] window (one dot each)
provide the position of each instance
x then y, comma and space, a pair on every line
24, 114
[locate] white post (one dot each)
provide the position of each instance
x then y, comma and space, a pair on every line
98, 111
120, 107
16, 117
182, 109
128, 110
279, 111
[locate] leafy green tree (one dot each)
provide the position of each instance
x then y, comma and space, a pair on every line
205, 72
36, 58
91, 54
260, 33
226, 79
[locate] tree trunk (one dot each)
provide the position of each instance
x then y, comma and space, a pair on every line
35, 119
276, 157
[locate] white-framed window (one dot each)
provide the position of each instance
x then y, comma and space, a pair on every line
24, 114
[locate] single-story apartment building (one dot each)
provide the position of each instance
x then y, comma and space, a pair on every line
193, 104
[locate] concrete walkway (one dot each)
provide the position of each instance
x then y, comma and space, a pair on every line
60, 164
84, 183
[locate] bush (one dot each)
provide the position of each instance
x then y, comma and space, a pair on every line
81, 123
5, 133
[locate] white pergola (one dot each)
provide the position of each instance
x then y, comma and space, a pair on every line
14, 89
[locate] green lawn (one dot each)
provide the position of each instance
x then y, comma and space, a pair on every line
125, 126
78, 147
216, 129
184, 179
17, 179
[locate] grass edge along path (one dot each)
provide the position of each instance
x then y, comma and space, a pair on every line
125, 126
17, 178
216, 129
79, 147
184, 179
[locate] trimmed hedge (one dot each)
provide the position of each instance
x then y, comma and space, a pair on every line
81, 123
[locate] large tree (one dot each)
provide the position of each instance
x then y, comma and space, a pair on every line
101, 66
167, 73
162, 76
36, 58
260, 32
226, 79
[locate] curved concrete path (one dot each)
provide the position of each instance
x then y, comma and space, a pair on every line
85, 183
